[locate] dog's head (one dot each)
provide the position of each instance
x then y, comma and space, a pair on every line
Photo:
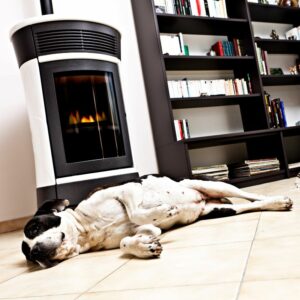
48, 236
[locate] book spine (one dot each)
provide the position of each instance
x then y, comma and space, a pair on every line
275, 113
281, 104
188, 7
201, 8
224, 8
194, 8
249, 84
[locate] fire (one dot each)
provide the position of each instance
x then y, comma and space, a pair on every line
88, 119
75, 119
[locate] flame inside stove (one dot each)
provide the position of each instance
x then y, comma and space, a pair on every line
75, 118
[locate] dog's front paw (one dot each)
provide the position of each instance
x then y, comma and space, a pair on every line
142, 246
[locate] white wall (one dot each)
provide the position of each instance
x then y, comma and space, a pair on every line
17, 178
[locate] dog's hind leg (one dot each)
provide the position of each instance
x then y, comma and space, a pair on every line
144, 244
213, 210
218, 189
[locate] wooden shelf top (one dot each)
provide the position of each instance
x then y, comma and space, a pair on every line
181, 62
274, 14
277, 80
230, 138
279, 46
169, 23
207, 101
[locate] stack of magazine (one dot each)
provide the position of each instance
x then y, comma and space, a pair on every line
253, 167
219, 172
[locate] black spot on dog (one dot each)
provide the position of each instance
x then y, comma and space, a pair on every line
39, 224
26, 250
220, 212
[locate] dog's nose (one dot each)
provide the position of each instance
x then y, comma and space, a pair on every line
35, 251
63, 236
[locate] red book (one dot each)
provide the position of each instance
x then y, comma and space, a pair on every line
218, 48
198, 7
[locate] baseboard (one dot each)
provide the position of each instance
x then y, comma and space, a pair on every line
13, 225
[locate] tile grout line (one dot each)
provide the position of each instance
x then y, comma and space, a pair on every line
247, 260
117, 269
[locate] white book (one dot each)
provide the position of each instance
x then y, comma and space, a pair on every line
185, 129
211, 8
170, 44
181, 43
192, 88
160, 6
231, 87
177, 130
176, 89
221, 87
218, 8
180, 90
198, 83
194, 8
170, 7
298, 29
202, 6
205, 85
245, 87
185, 91
224, 6
170, 88
226, 87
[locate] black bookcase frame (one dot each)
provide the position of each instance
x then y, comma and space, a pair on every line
261, 141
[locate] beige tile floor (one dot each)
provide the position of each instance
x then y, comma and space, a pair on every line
247, 257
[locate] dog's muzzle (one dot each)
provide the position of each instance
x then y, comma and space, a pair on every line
43, 253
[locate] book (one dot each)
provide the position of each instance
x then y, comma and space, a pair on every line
253, 167
170, 44
219, 172
182, 130
218, 48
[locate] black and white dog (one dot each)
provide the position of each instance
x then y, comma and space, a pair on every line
131, 216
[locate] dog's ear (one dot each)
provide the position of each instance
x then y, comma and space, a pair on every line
26, 250
52, 206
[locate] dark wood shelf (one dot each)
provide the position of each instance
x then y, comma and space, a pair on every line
173, 62
230, 138
279, 46
207, 101
272, 80
294, 171
291, 131
201, 25
257, 179
274, 14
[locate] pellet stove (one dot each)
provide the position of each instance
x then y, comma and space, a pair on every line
70, 72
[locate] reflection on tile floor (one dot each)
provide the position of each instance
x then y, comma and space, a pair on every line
250, 256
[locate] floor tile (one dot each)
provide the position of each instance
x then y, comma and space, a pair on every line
288, 289
276, 258
182, 266
56, 297
278, 224
71, 276
226, 291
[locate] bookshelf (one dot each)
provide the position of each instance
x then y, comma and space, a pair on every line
254, 139
281, 15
